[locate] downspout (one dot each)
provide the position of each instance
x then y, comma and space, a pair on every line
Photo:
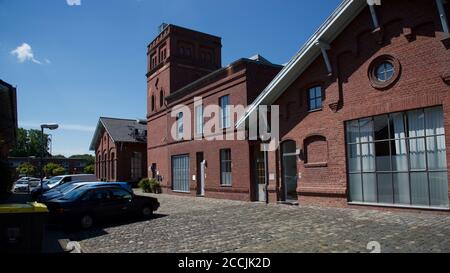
266, 167
442, 16
373, 13
324, 47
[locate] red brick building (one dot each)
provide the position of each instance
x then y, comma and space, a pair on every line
8, 118
183, 65
8, 131
120, 147
365, 109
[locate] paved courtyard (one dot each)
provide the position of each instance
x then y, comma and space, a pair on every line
185, 224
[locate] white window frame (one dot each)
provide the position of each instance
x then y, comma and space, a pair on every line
225, 115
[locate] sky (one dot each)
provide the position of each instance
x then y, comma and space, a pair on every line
74, 61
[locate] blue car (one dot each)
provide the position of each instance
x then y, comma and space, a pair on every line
91, 203
62, 190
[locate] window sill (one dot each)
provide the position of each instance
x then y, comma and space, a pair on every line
316, 165
185, 192
315, 110
398, 206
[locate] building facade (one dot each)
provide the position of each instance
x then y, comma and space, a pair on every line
365, 110
120, 150
184, 66
8, 118
8, 132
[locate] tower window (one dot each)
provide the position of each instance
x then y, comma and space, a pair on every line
162, 54
185, 50
161, 98
153, 102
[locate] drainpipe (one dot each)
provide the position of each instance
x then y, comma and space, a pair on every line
266, 167
442, 15
324, 47
376, 23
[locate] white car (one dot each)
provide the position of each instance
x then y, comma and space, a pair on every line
63, 179
21, 186
26, 184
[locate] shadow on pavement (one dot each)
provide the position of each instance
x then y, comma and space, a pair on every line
56, 233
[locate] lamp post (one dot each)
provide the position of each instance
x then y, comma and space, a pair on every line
50, 127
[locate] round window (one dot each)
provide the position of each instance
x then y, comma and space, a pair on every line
384, 71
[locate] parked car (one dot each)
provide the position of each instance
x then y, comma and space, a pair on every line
60, 180
26, 184
64, 189
21, 186
88, 204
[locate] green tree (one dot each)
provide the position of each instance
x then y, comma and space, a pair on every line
50, 168
20, 149
27, 169
89, 169
59, 171
88, 158
29, 143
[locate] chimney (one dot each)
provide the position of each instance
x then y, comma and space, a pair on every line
162, 27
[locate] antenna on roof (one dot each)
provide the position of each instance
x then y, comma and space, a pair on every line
162, 27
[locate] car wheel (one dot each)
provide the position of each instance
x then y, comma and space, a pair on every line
86, 221
147, 211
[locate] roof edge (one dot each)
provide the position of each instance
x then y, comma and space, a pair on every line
235, 63
294, 68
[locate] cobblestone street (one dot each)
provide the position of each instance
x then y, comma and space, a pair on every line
185, 224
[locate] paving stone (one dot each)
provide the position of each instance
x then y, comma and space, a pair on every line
187, 224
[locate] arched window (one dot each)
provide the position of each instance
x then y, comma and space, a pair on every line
105, 167
161, 98
113, 166
97, 166
315, 150
153, 102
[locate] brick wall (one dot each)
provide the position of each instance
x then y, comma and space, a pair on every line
411, 32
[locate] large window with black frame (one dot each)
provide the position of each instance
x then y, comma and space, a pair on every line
398, 159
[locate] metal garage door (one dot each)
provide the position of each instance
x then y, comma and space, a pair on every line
180, 173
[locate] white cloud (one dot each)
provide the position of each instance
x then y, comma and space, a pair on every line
73, 2
25, 53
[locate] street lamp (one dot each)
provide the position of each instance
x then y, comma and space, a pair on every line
49, 127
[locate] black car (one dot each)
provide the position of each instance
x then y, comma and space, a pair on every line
88, 204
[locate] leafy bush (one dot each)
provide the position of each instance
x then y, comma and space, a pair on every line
59, 171
6, 181
150, 185
89, 169
50, 168
27, 169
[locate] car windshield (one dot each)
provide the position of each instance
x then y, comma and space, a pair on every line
54, 180
69, 188
73, 195
22, 182
63, 187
